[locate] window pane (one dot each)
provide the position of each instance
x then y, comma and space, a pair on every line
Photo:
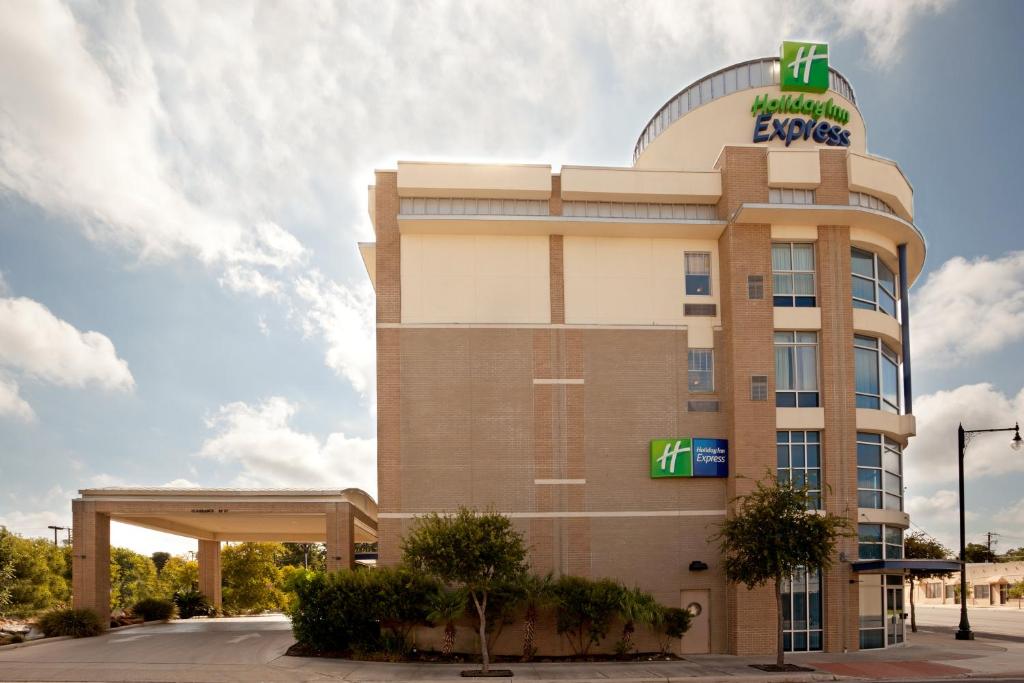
803, 257
783, 284
870, 551
869, 478
781, 257
807, 337
892, 461
893, 484
866, 371
886, 278
698, 284
863, 263
807, 368
869, 499
701, 370
868, 402
798, 456
698, 263
887, 303
784, 380
782, 456
803, 283
869, 532
869, 455
894, 535
890, 382
863, 289
813, 457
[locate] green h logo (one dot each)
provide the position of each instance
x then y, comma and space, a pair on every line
671, 458
804, 67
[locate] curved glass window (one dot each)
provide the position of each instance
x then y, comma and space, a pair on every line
879, 472
874, 283
877, 374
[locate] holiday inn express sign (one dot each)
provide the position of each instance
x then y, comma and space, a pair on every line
689, 457
804, 69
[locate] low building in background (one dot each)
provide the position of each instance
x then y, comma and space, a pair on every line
988, 584
610, 355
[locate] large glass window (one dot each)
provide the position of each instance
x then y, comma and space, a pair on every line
793, 274
698, 273
701, 371
874, 284
879, 542
801, 612
877, 373
879, 472
798, 457
796, 369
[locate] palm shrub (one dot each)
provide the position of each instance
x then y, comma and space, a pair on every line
192, 603
670, 623
79, 623
445, 608
584, 610
536, 592
153, 609
635, 606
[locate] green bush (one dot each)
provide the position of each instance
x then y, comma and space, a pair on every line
673, 622
345, 611
80, 623
584, 610
192, 603
153, 609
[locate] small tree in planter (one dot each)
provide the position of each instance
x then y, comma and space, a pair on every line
635, 606
584, 610
670, 623
536, 592
445, 608
772, 535
475, 552
1016, 592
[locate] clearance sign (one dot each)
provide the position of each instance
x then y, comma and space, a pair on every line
804, 69
689, 457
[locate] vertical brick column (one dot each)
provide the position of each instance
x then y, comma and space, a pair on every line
835, 185
90, 563
340, 537
557, 278
389, 310
209, 571
748, 346
839, 440
555, 202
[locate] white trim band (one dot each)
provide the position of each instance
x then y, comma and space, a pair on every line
558, 381
527, 326
574, 515
560, 481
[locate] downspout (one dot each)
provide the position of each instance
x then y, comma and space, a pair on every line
908, 401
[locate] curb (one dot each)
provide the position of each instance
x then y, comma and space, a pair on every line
718, 678
57, 639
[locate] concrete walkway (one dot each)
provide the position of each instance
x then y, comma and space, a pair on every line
252, 649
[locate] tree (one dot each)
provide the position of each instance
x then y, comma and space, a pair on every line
1016, 592
252, 581
445, 608
159, 560
1013, 555
978, 552
132, 578
919, 546
38, 572
636, 606
6, 578
536, 592
474, 552
772, 535
177, 576
306, 555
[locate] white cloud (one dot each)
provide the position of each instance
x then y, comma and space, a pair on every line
39, 345
883, 23
968, 308
271, 453
932, 455
1012, 515
12, 404
344, 317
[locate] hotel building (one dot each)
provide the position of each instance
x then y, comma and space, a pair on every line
547, 338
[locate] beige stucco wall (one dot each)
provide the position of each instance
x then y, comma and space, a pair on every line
794, 168
898, 427
632, 281
497, 181
475, 279
877, 324
883, 179
694, 142
632, 185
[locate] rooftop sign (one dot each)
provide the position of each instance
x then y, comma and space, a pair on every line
804, 67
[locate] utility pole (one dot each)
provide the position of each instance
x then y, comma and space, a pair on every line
989, 535
55, 530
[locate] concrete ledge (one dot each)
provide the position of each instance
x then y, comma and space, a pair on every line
57, 639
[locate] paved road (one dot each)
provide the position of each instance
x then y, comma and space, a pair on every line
1002, 624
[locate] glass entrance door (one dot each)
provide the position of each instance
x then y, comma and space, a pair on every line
895, 617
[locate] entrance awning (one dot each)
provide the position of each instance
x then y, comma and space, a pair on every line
890, 566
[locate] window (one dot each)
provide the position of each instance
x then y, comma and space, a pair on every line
796, 369
879, 542
698, 273
755, 287
798, 456
702, 371
877, 371
950, 591
869, 201
874, 284
981, 592
759, 388
793, 275
788, 196
879, 472
933, 590
801, 612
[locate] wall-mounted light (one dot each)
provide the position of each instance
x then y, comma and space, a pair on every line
698, 566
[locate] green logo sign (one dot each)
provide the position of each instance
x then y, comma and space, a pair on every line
804, 67
671, 458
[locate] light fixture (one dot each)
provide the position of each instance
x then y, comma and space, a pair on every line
1016, 443
698, 566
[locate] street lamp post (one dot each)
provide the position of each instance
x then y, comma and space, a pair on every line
965, 632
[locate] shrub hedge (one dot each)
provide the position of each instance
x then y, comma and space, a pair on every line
80, 623
154, 609
192, 603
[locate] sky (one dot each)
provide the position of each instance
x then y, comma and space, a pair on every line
182, 187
